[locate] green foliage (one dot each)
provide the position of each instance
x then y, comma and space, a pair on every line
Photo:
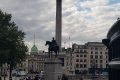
12, 47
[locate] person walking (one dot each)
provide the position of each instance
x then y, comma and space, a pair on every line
36, 77
64, 77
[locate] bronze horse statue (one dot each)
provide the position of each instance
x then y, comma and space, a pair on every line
52, 48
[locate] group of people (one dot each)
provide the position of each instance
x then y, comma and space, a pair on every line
64, 77
35, 78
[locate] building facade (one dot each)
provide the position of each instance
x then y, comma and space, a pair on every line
35, 63
35, 60
69, 66
83, 59
80, 59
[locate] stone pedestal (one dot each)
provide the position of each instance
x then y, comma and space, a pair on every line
53, 69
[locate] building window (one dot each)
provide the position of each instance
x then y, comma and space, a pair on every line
91, 52
91, 56
106, 56
101, 56
106, 65
91, 48
77, 65
100, 52
96, 48
96, 61
77, 50
85, 66
106, 52
85, 51
91, 61
96, 57
106, 61
101, 61
96, 52
85, 55
81, 66
81, 55
71, 64
81, 51
77, 55
85, 60
77, 60
81, 60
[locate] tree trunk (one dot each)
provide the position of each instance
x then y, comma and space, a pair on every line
10, 75
4, 74
0, 72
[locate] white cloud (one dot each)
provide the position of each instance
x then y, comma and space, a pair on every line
93, 3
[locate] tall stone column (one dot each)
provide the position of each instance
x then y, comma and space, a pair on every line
58, 34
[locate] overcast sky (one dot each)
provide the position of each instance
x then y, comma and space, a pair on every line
82, 20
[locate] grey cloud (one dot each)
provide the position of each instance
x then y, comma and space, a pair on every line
38, 16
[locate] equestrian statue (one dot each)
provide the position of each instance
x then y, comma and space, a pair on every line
52, 47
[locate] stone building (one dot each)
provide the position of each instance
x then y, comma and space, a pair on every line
69, 63
80, 59
97, 56
35, 60
83, 59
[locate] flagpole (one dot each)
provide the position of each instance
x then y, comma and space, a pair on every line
69, 41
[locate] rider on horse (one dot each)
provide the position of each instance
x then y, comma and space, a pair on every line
53, 47
54, 43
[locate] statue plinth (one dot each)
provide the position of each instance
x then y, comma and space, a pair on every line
53, 69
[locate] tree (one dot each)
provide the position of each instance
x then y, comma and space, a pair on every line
12, 47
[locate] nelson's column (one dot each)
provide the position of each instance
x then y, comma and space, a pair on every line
52, 67
58, 34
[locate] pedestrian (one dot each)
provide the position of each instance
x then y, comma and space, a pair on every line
81, 78
28, 78
64, 77
36, 77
